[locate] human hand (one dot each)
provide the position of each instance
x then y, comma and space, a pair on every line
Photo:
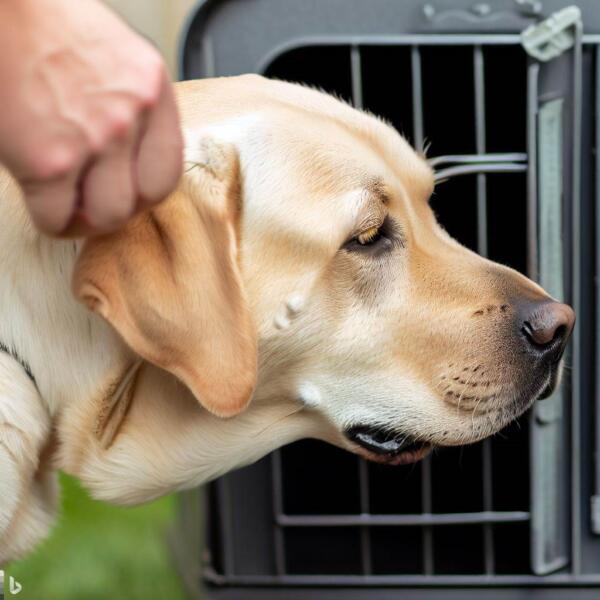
88, 120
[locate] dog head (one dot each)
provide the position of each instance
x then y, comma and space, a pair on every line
301, 240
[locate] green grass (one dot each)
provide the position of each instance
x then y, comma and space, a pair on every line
100, 552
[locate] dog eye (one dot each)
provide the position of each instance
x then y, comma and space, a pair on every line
370, 236
375, 241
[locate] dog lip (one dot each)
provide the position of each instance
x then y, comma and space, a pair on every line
380, 441
546, 392
406, 457
552, 381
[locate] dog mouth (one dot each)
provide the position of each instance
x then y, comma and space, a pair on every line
388, 447
381, 445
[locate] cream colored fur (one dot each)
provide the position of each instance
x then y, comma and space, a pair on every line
339, 340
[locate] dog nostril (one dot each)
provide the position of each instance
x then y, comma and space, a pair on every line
527, 330
549, 326
542, 336
560, 333
545, 336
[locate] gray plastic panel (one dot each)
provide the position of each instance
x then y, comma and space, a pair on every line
242, 36
595, 499
235, 36
406, 594
549, 477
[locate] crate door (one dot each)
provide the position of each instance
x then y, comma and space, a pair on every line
554, 90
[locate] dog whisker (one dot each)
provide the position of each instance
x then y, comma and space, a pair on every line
473, 416
463, 393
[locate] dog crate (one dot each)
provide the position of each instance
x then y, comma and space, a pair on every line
505, 95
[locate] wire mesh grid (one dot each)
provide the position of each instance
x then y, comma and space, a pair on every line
476, 497
475, 523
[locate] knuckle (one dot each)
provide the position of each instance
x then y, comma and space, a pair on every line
96, 139
115, 124
54, 163
119, 122
148, 97
151, 76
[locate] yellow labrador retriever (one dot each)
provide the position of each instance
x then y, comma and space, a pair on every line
298, 265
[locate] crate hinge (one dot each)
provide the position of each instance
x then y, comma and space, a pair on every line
552, 36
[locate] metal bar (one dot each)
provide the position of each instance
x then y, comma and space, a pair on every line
533, 70
417, 97
491, 157
422, 519
279, 542
428, 558
480, 168
418, 142
479, 81
427, 518
363, 471
488, 501
356, 76
576, 299
227, 536
482, 249
595, 502
365, 538
498, 581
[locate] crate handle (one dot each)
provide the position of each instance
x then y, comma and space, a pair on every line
482, 12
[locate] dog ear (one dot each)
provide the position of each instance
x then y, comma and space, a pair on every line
169, 282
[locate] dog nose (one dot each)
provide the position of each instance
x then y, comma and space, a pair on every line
547, 327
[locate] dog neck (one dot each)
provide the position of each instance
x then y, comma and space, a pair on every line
157, 441
68, 350
169, 442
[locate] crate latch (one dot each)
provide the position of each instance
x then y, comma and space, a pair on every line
552, 36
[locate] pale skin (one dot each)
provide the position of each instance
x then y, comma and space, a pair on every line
88, 125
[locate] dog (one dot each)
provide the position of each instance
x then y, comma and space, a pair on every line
295, 285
